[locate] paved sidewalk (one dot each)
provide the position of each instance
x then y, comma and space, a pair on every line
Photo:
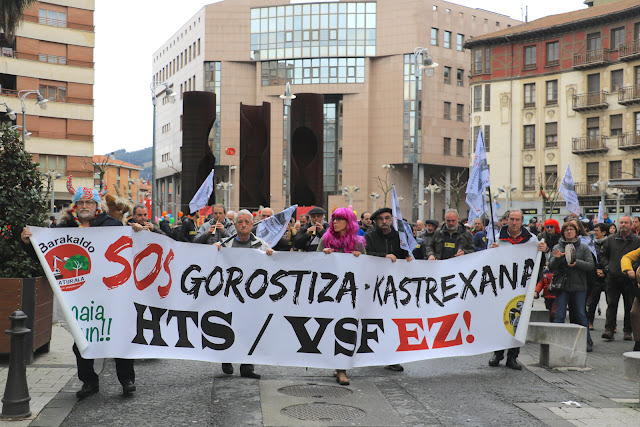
48, 378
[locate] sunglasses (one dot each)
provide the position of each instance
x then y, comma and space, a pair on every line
549, 226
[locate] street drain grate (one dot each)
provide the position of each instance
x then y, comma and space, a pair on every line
316, 391
325, 412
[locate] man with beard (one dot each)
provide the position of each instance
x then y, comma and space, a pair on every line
86, 212
452, 240
383, 241
308, 238
424, 238
480, 234
514, 233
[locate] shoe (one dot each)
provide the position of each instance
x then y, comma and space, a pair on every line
227, 368
608, 335
397, 367
495, 360
513, 364
627, 336
249, 373
128, 387
589, 346
341, 377
87, 390
636, 346
591, 328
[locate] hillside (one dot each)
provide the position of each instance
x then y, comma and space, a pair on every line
138, 158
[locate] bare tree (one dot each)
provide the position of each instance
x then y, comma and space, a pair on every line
383, 183
548, 192
457, 187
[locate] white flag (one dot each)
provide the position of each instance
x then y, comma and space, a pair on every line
478, 180
568, 191
407, 241
201, 197
600, 213
271, 229
492, 227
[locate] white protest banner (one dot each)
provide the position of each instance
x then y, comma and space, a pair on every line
201, 198
407, 241
143, 295
568, 191
271, 229
479, 179
600, 213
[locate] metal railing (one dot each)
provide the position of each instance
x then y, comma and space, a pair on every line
591, 58
585, 189
629, 94
591, 100
587, 144
629, 140
627, 50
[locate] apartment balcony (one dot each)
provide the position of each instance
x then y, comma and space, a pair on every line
593, 58
590, 101
629, 95
629, 140
589, 145
585, 189
629, 51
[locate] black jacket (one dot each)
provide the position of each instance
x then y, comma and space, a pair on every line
382, 245
463, 238
302, 241
613, 249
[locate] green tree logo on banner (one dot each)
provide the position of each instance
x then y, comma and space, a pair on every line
77, 263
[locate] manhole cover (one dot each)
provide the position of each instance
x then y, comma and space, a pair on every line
315, 391
320, 411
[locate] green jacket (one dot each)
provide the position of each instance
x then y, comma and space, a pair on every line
463, 240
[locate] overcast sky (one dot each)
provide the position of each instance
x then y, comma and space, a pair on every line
128, 32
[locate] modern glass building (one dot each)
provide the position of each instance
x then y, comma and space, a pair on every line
350, 64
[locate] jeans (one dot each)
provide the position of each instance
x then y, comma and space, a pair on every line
577, 300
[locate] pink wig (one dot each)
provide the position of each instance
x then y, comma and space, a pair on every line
347, 242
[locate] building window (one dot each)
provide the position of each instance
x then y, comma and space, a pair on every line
529, 57
411, 110
616, 80
552, 92
636, 168
459, 147
528, 178
551, 135
477, 98
460, 77
212, 83
615, 169
482, 60
487, 138
314, 71
459, 42
447, 111
460, 112
593, 127
310, 26
447, 40
617, 38
52, 18
447, 75
594, 43
593, 172
550, 176
48, 162
529, 137
54, 93
476, 132
553, 53
529, 95
615, 125
487, 97
434, 37
447, 147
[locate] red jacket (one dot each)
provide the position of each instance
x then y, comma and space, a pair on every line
543, 285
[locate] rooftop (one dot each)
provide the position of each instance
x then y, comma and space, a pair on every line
107, 161
561, 22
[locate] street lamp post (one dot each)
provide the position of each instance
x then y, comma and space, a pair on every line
432, 189
40, 100
226, 187
350, 190
507, 189
287, 97
374, 196
172, 96
51, 177
9, 111
618, 195
427, 65
602, 186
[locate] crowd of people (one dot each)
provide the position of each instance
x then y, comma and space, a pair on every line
603, 257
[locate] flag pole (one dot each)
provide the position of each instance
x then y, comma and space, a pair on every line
493, 228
